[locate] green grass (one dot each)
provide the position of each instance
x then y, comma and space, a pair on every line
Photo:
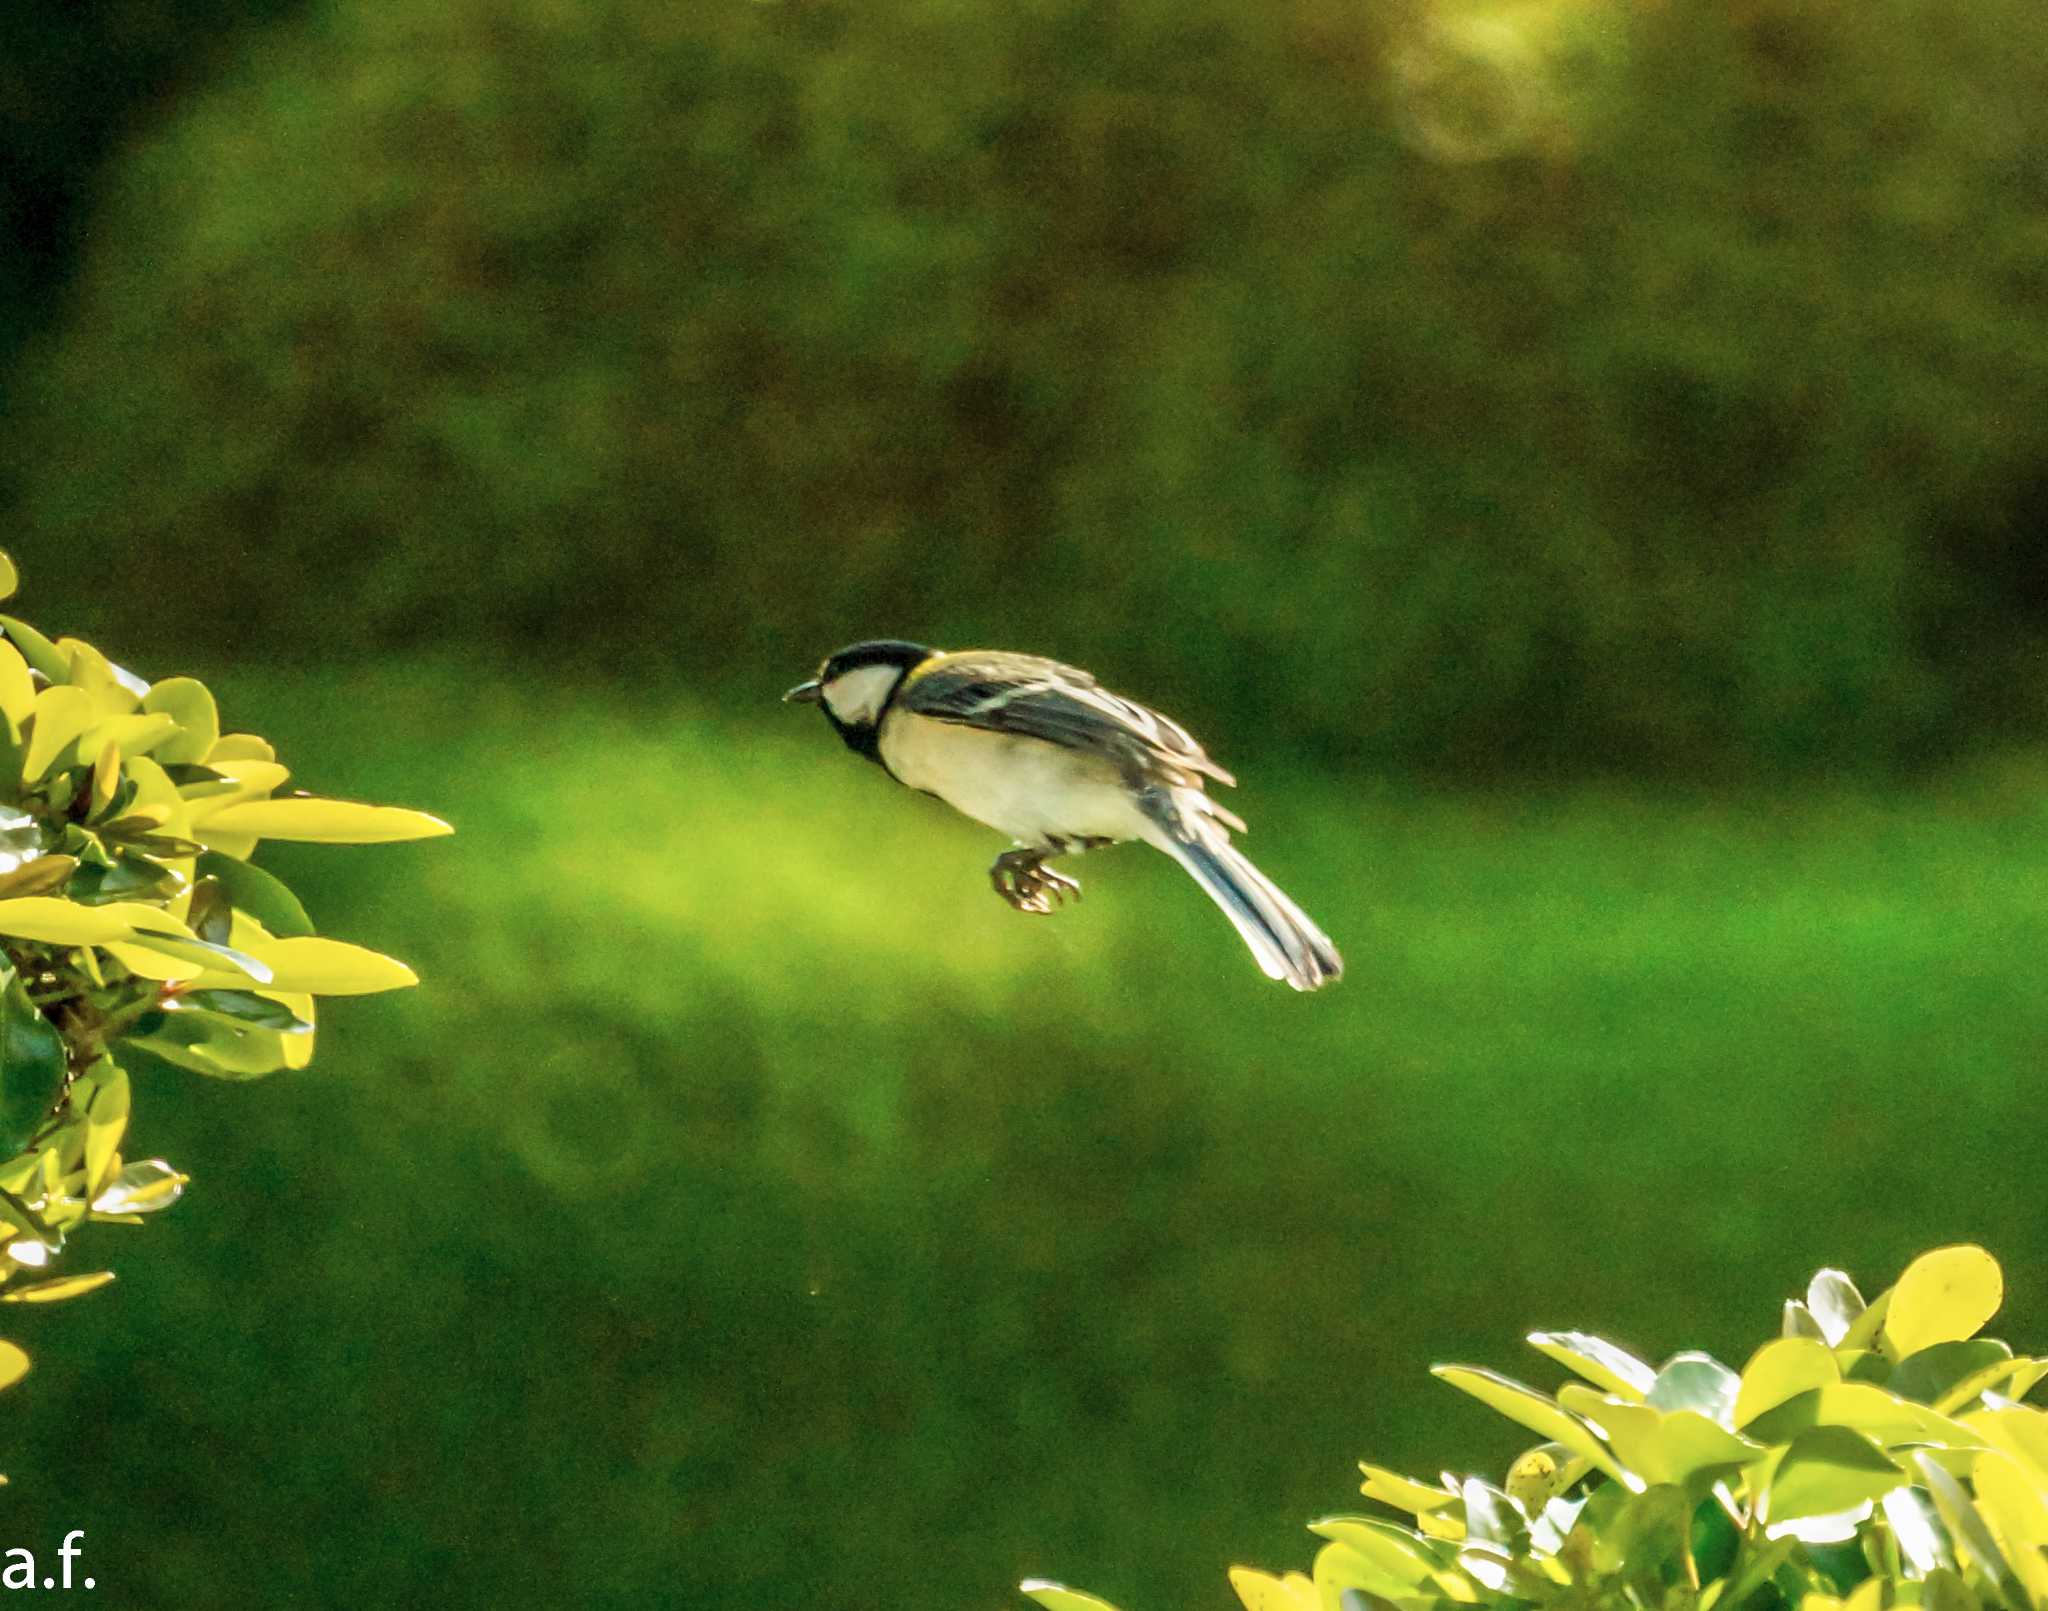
751, 1211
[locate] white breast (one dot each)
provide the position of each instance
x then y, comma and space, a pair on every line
1032, 790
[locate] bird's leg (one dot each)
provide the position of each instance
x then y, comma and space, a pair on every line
1021, 877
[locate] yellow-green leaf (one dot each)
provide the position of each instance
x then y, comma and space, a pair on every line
1058, 1597
1524, 1405
326, 822
1826, 1469
36, 649
142, 1188
61, 714
61, 922
1403, 1493
13, 1364
2017, 1509
189, 703
17, 693
324, 967
1672, 1446
1882, 1416
10, 578
56, 1291
1393, 1551
1339, 1567
1944, 1295
1262, 1591
240, 747
1781, 1369
104, 1093
1613, 1369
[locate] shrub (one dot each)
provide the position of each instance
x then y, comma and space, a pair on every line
131, 918
1872, 1455
1701, 421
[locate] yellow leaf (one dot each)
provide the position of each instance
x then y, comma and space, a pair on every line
13, 1364
64, 1286
2019, 1511
326, 822
239, 747
17, 693
10, 578
1261, 1591
61, 922
106, 775
188, 702
1058, 1597
114, 689
106, 1119
252, 779
332, 968
1779, 1370
134, 734
1944, 1296
61, 714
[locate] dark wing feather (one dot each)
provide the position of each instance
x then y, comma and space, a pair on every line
1039, 698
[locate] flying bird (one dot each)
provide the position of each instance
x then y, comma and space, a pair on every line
1043, 753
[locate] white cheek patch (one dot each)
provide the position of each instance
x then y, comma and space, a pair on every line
856, 697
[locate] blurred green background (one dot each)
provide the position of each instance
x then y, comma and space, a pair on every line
1584, 465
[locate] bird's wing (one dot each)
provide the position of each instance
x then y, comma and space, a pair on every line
1038, 698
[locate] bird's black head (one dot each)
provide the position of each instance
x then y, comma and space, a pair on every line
856, 686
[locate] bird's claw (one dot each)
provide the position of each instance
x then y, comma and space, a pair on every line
1022, 879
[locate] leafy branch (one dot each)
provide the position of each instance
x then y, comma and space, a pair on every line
132, 916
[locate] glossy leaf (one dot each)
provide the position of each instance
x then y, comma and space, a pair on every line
245, 1006
1935, 1371
1679, 1447
1527, 1407
1403, 1493
1943, 1296
10, 579
1916, 1526
1882, 1416
1395, 1553
1781, 1369
1968, 1534
13, 1364
329, 822
1613, 1369
1697, 1382
1339, 1567
58, 1289
61, 922
323, 967
1834, 1303
1827, 1469
142, 1188
32, 1064
1058, 1597
2013, 1502
256, 892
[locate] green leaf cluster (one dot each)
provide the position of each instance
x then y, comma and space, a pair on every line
131, 916
1872, 1455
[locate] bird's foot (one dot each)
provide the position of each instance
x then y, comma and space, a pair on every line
1022, 878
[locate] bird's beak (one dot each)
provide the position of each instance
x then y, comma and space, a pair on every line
804, 693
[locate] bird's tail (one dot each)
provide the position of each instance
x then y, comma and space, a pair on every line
1283, 939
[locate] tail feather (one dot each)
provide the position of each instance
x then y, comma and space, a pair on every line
1283, 940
